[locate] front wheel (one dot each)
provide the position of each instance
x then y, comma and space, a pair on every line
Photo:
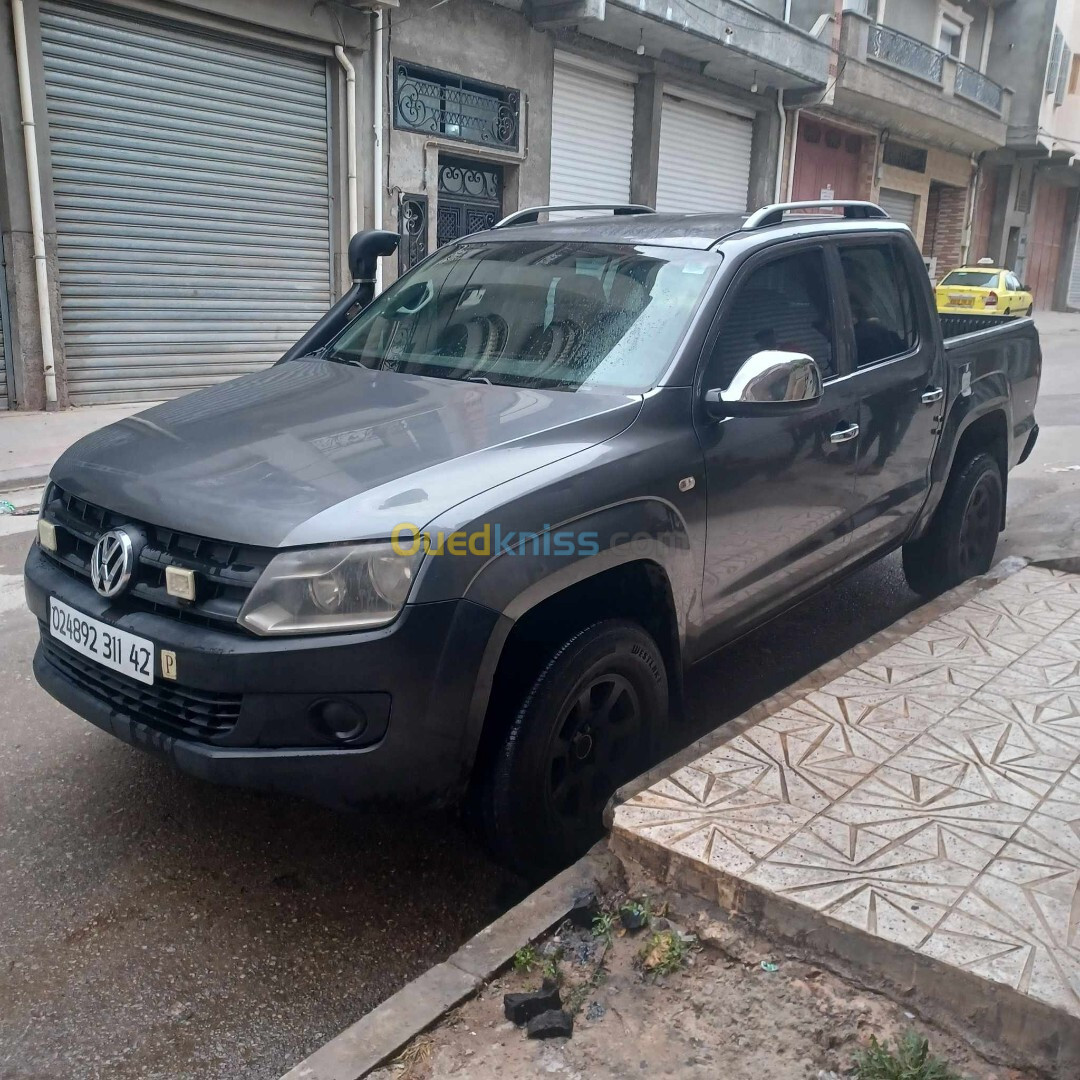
588, 723
1030, 311
962, 538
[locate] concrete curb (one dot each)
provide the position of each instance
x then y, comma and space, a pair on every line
384, 1031
16, 479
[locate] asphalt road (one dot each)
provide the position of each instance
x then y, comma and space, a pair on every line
154, 926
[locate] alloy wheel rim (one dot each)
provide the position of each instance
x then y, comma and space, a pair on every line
977, 530
594, 747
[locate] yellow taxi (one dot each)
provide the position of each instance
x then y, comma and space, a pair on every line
984, 289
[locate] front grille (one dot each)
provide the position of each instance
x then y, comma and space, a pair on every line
174, 709
224, 573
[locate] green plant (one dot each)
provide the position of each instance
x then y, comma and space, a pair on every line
604, 926
551, 969
664, 952
526, 960
911, 1060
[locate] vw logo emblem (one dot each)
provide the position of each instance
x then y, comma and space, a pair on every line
112, 563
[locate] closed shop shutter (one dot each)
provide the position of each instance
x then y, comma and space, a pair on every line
1074, 276
704, 159
192, 202
592, 130
899, 205
1044, 248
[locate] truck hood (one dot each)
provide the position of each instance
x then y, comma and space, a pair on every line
311, 452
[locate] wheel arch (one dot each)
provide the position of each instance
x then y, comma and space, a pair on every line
984, 431
638, 589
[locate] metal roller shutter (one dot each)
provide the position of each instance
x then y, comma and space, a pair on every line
192, 202
1074, 275
592, 130
899, 205
704, 159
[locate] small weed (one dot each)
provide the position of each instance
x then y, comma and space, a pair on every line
526, 960
551, 969
604, 926
664, 952
635, 914
911, 1060
576, 998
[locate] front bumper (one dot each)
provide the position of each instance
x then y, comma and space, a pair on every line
418, 677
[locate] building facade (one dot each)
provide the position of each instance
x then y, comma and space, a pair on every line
201, 164
200, 177
913, 107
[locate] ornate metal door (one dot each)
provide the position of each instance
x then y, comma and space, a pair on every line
470, 198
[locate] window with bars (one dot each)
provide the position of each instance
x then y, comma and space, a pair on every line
1063, 76
1053, 68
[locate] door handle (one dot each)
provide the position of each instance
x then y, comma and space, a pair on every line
934, 393
844, 435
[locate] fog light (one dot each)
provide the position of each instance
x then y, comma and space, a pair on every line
341, 721
46, 531
180, 582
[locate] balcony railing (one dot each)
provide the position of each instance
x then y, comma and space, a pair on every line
907, 53
975, 86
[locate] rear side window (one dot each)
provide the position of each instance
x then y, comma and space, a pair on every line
782, 305
1012, 282
882, 303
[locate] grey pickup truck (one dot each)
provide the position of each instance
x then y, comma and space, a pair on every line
463, 541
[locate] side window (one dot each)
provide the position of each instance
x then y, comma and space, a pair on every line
882, 303
1012, 283
782, 305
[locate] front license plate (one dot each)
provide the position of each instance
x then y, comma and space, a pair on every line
112, 648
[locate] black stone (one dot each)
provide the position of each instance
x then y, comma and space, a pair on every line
521, 1008
555, 1024
584, 910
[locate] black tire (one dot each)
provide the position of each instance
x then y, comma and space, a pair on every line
1030, 311
962, 538
588, 723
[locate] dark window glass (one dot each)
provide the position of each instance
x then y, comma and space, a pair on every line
973, 279
782, 305
882, 304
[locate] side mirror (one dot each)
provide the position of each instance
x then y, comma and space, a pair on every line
770, 383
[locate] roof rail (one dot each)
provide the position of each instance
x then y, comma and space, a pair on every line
774, 215
531, 215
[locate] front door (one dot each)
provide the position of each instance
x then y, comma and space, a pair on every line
901, 384
781, 489
470, 197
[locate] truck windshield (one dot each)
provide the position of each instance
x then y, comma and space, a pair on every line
541, 314
973, 279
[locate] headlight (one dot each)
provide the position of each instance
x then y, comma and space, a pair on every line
350, 587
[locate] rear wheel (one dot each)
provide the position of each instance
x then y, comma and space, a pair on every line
1030, 311
587, 724
962, 538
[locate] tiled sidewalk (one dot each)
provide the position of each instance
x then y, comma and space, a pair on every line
929, 797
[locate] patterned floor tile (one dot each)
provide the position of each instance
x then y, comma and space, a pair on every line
930, 796
1020, 921
1038, 669
1008, 761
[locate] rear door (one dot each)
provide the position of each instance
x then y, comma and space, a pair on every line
781, 489
899, 379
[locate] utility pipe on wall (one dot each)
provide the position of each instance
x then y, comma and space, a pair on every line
33, 180
350, 137
377, 114
778, 187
